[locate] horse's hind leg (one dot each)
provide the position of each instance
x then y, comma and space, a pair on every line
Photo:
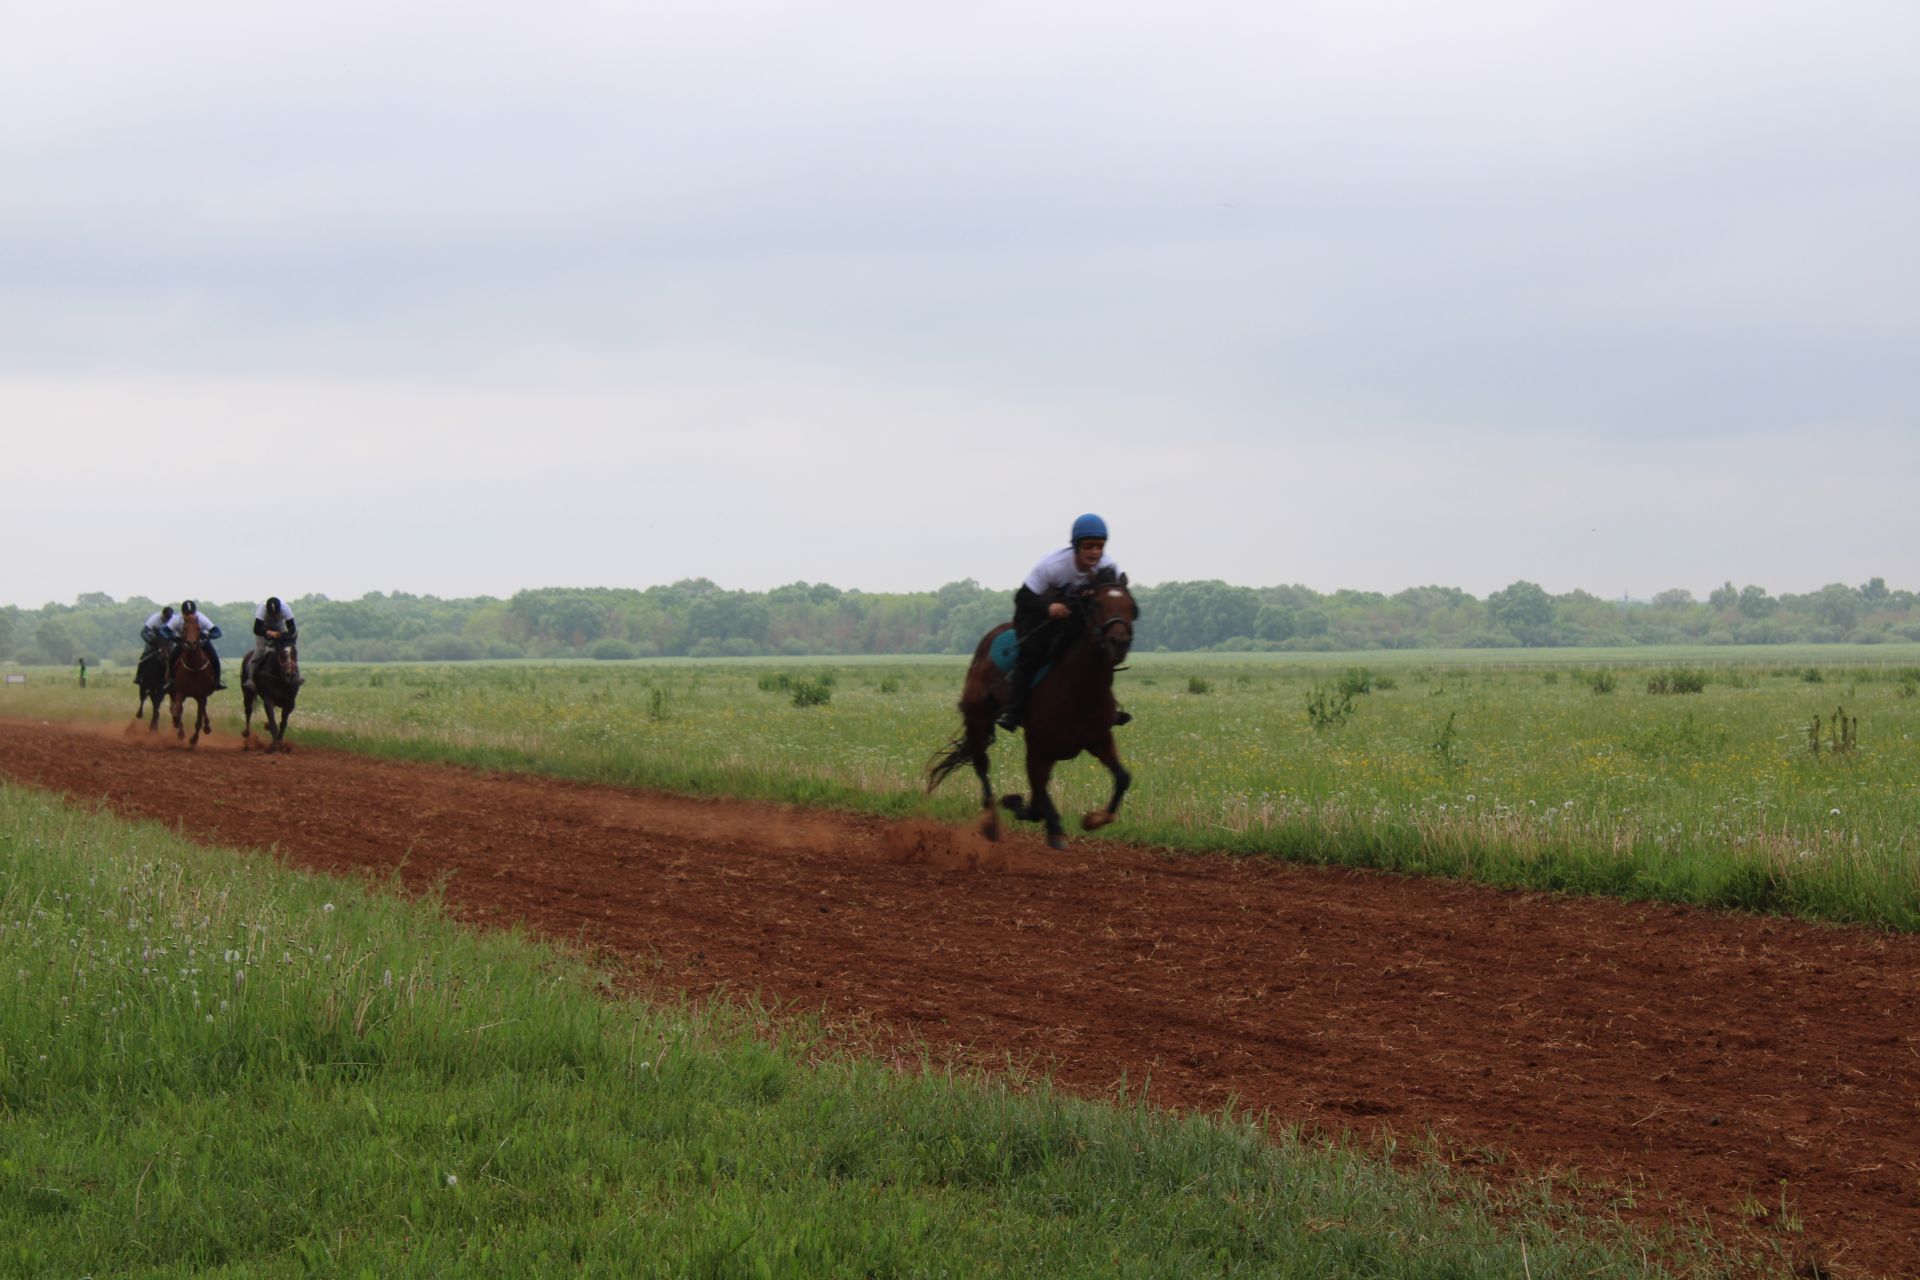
977, 750
1107, 755
246, 724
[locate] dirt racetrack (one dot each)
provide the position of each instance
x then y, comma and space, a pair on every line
1695, 1059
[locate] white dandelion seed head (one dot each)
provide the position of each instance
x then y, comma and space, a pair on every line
1833, 813
327, 909
453, 1179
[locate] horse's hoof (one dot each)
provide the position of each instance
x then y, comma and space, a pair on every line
990, 826
1013, 804
1056, 842
1095, 820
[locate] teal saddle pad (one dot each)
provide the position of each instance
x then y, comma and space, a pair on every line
1005, 650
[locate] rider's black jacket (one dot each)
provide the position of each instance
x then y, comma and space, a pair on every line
287, 631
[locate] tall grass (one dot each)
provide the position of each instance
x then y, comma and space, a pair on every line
210, 1065
1496, 770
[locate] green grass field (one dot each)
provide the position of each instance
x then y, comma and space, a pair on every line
1499, 766
210, 1066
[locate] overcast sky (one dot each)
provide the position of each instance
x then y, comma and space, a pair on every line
464, 298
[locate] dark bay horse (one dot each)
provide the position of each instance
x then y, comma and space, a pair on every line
192, 679
276, 683
151, 677
1069, 711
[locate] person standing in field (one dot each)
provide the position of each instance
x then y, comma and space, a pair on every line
83, 673
209, 632
1040, 603
272, 624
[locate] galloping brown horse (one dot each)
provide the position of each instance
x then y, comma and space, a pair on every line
192, 678
276, 683
1069, 711
151, 678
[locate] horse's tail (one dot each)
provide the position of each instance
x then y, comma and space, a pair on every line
948, 759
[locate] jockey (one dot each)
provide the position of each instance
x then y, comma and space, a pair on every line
271, 622
156, 637
1038, 604
209, 632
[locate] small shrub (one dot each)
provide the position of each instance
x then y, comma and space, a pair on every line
1445, 745
1811, 675
1197, 685
1355, 680
1328, 707
775, 682
1679, 680
888, 684
1550, 677
811, 693
612, 649
1600, 681
657, 705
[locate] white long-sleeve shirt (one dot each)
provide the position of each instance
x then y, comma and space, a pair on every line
178, 625
1058, 571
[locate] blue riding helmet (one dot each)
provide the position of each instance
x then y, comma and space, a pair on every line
187, 606
1089, 526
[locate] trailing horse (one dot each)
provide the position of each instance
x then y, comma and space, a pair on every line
1070, 708
276, 683
192, 680
151, 677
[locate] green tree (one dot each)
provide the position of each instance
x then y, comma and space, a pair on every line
1525, 610
55, 642
1755, 603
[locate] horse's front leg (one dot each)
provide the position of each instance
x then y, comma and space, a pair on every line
1109, 756
177, 704
978, 736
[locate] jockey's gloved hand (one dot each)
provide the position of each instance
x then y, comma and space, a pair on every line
213, 633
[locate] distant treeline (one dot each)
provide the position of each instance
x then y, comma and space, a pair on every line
698, 619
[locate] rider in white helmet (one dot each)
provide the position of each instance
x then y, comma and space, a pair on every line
209, 632
155, 636
272, 624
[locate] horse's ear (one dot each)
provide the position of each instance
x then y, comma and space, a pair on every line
1123, 579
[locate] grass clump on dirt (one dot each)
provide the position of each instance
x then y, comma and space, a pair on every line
208, 1064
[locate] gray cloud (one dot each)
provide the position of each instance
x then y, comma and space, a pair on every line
1266, 271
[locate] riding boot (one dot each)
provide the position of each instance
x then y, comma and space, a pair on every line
219, 682
1121, 717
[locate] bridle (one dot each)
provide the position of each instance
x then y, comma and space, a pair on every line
1114, 646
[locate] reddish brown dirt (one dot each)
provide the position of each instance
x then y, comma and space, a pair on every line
1693, 1057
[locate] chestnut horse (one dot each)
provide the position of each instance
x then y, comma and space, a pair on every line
1069, 710
276, 682
192, 679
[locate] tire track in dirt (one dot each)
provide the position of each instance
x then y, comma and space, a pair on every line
1693, 1057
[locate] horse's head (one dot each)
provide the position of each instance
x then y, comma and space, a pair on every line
190, 629
286, 655
1111, 613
